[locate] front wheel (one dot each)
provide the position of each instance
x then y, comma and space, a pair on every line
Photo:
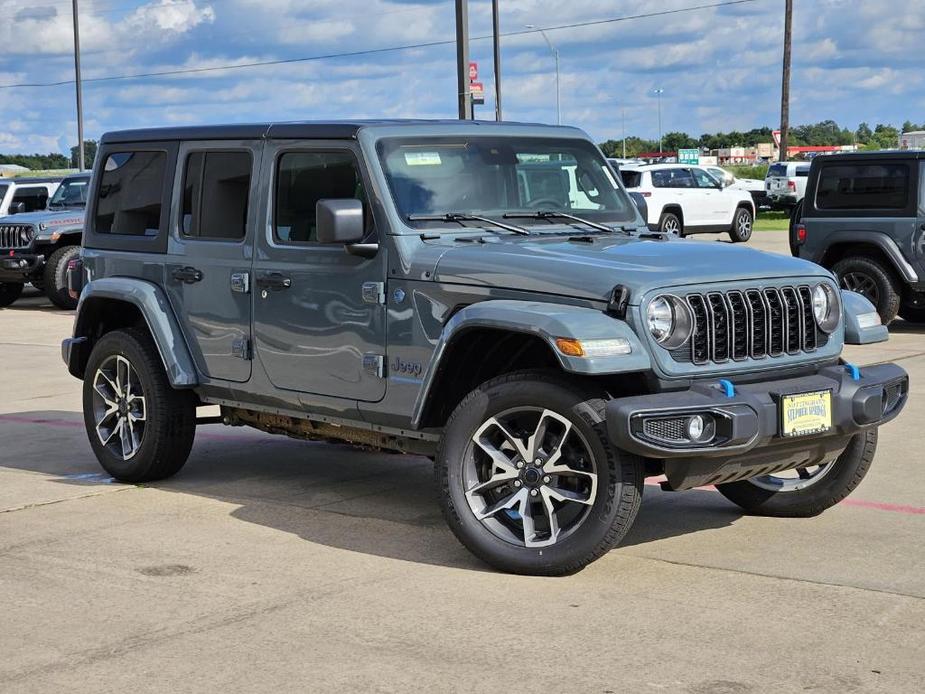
529, 481
807, 491
741, 230
139, 427
9, 292
670, 223
54, 280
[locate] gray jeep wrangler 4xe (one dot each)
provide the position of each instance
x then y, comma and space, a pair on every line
37, 246
483, 294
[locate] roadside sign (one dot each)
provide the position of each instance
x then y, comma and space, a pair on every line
689, 156
477, 89
473, 72
775, 134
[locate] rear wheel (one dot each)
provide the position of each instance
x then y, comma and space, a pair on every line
9, 292
741, 230
140, 428
670, 223
55, 277
807, 491
529, 481
872, 279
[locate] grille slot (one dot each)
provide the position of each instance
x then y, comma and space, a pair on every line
16, 235
750, 324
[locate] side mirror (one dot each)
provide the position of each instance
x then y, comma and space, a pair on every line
17, 207
339, 221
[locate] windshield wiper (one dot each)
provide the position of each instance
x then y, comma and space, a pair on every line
549, 214
466, 217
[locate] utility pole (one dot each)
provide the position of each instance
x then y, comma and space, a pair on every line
785, 82
623, 120
463, 96
496, 38
80, 106
658, 93
555, 54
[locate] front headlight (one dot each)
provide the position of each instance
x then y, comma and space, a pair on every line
826, 308
669, 321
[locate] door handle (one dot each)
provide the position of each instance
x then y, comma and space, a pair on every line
189, 275
274, 281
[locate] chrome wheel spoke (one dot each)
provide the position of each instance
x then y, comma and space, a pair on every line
119, 407
112, 418
537, 439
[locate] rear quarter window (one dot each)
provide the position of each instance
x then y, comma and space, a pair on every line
863, 186
130, 190
631, 179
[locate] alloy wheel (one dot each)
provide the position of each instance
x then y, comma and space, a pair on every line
119, 407
744, 226
863, 284
793, 480
529, 476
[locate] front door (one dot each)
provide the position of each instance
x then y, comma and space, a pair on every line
319, 312
208, 271
716, 203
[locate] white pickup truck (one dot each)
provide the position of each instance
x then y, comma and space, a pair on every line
786, 183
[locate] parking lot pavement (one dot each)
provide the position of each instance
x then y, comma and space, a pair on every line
269, 563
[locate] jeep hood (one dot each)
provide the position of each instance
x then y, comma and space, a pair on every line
72, 216
591, 270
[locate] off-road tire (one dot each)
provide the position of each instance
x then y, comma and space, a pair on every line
796, 214
9, 292
170, 414
887, 287
620, 475
55, 277
669, 220
846, 474
737, 232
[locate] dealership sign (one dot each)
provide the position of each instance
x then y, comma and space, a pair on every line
689, 156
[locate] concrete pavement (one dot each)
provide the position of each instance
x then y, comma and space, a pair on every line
272, 564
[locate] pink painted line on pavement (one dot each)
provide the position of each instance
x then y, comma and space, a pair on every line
650, 482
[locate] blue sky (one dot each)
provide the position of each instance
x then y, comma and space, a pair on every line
720, 68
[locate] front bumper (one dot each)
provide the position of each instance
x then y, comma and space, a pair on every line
748, 436
16, 266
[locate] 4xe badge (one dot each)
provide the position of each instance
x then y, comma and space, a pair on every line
407, 368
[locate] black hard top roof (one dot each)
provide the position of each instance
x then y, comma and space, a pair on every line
33, 179
313, 130
874, 154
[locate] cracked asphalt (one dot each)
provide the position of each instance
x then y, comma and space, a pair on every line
272, 564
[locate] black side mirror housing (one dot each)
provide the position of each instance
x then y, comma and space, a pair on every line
339, 220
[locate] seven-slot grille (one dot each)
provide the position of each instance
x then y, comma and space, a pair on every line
750, 324
16, 235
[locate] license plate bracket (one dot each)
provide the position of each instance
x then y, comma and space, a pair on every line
805, 414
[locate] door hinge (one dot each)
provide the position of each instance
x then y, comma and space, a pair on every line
374, 365
374, 292
241, 282
241, 347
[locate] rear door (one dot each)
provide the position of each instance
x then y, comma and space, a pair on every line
210, 253
776, 180
319, 312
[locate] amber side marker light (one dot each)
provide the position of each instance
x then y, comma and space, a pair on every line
606, 347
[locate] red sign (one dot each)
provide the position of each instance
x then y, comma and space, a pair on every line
776, 135
473, 72
477, 89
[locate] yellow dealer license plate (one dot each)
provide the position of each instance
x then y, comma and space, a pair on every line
806, 413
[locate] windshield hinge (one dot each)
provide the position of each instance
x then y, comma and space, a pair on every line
374, 292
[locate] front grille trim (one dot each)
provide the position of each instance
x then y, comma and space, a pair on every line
753, 324
16, 235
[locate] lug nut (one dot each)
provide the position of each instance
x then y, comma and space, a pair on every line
546, 479
533, 492
537, 461
517, 483
520, 465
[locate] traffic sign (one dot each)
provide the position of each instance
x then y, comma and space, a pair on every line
473, 72
477, 89
689, 156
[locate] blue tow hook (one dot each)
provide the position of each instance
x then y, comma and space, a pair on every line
728, 388
854, 371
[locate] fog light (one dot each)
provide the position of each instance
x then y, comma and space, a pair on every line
695, 426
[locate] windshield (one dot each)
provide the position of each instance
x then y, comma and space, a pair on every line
71, 193
493, 176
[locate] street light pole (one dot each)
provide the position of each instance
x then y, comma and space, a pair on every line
496, 39
463, 95
555, 53
623, 121
80, 107
658, 93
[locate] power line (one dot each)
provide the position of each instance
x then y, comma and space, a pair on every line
375, 51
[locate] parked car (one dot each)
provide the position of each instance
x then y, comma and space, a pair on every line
754, 186
37, 246
785, 183
18, 195
684, 199
864, 219
396, 286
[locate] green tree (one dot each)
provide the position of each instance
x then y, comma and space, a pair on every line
863, 134
883, 137
89, 154
672, 142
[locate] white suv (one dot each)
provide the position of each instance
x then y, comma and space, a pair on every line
684, 199
26, 194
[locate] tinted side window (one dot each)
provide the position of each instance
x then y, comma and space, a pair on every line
304, 178
34, 197
215, 193
922, 188
129, 198
863, 187
777, 170
704, 180
631, 179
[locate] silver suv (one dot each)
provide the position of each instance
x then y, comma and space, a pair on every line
785, 183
